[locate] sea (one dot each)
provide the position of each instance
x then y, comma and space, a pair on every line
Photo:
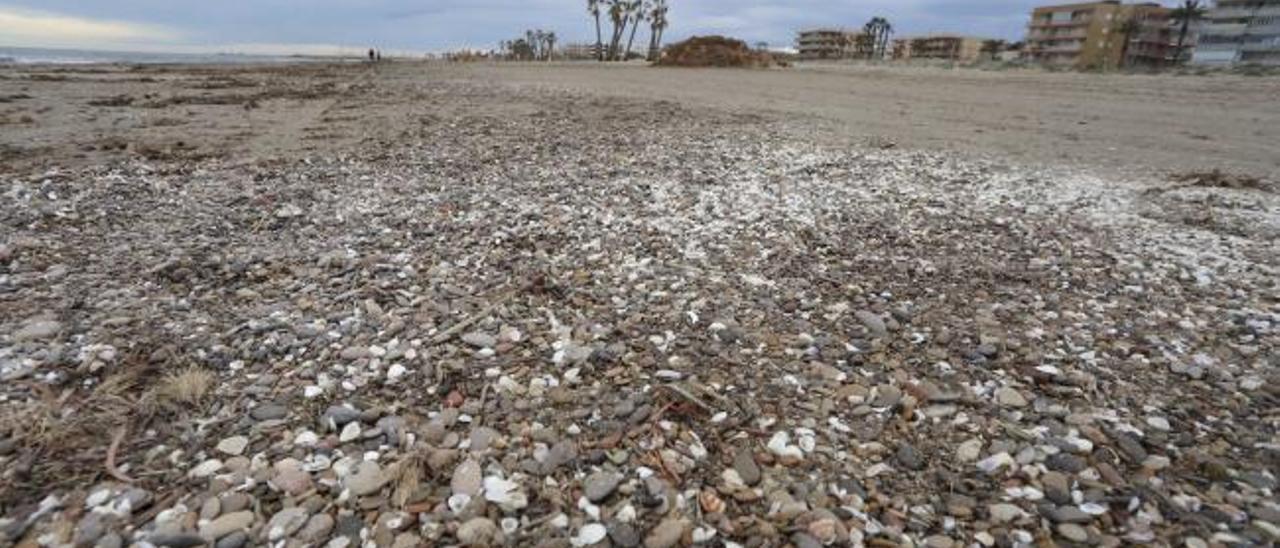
33, 56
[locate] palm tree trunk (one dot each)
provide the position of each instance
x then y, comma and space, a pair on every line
599, 40
619, 27
653, 43
1182, 38
634, 26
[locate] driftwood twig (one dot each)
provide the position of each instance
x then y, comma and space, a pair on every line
111, 455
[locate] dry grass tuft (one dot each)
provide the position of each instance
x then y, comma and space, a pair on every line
408, 476
189, 386
62, 435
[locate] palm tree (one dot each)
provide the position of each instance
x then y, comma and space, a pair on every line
1189, 11
885, 30
877, 35
637, 14
593, 7
657, 24
618, 16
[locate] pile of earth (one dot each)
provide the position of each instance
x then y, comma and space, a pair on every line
715, 51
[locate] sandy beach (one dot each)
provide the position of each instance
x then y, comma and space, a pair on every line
429, 304
1134, 124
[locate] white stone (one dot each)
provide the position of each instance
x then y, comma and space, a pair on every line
234, 445
395, 372
506, 494
350, 432
780, 446
992, 464
590, 533
206, 469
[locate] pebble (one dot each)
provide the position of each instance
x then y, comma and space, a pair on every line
177, 540
909, 458
338, 416
1004, 512
1069, 514
969, 450
480, 532
467, 479
291, 478
480, 340
350, 432
36, 330
873, 322
226, 524
744, 463
367, 479
600, 485
624, 535
590, 534
1057, 487
666, 534
268, 412
1072, 532
206, 468
233, 446
236, 539
316, 529
1010, 397
1066, 463
286, 522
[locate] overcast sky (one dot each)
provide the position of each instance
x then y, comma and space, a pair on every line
302, 26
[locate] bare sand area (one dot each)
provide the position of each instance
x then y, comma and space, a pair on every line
1131, 124
1127, 122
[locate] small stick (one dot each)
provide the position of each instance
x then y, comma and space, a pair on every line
680, 391
111, 456
456, 328
484, 393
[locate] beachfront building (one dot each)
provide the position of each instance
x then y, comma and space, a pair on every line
1107, 34
950, 47
1240, 31
829, 43
580, 52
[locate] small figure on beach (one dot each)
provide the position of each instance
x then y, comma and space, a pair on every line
371, 55
379, 59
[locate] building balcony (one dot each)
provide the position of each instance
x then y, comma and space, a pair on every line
1232, 12
1064, 48
1223, 29
1060, 24
1270, 29
1275, 46
1075, 34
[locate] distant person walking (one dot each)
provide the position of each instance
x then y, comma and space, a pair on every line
371, 55
379, 59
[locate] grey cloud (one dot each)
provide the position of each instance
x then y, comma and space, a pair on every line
442, 24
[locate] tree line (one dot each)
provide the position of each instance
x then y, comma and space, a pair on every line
535, 45
624, 15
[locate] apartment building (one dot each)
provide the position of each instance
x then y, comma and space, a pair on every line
1240, 31
829, 43
1107, 34
951, 47
579, 52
